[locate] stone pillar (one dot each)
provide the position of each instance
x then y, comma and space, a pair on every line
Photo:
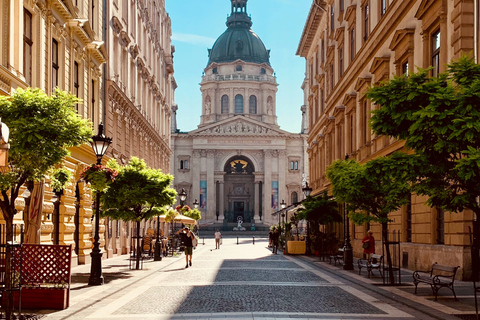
85, 212
267, 190
257, 201
196, 175
221, 202
211, 190
282, 168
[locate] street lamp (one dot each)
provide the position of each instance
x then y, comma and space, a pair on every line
283, 206
307, 191
196, 204
347, 247
157, 256
183, 196
100, 145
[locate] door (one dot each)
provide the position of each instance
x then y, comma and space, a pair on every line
238, 209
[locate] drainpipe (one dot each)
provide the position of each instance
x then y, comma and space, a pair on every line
475, 30
105, 38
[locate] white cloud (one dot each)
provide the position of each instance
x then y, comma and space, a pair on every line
193, 39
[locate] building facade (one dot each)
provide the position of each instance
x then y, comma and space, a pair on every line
352, 45
239, 164
140, 92
63, 43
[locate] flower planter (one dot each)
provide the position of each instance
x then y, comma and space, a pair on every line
44, 298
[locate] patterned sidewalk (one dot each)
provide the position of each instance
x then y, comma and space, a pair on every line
242, 281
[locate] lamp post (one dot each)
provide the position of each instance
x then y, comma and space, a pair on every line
307, 191
100, 145
183, 196
347, 247
157, 256
283, 206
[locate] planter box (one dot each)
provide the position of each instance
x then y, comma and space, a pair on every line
296, 247
44, 298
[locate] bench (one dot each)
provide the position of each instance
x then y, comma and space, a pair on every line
438, 277
375, 262
337, 257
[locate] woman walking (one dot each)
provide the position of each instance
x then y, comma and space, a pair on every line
368, 244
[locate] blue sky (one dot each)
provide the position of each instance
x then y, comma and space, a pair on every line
197, 24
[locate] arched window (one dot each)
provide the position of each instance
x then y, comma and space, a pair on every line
294, 197
252, 103
238, 103
225, 104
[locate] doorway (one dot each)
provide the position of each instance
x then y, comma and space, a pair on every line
239, 210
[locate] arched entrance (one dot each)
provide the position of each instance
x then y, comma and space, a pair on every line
239, 189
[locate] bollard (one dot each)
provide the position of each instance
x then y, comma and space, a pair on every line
253, 239
237, 240
203, 240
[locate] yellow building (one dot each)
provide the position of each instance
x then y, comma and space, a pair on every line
351, 45
50, 43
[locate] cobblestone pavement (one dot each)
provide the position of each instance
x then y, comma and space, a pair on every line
242, 281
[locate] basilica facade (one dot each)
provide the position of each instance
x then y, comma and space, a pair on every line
238, 163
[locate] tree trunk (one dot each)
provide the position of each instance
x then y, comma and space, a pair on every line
139, 249
476, 249
387, 253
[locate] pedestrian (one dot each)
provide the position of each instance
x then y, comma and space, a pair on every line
270, 233
275, 238
187, 238
368, 244
218, 238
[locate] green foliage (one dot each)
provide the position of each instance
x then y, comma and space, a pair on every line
60, 178
439, 120
376, 187
100, 177
170, 215
193, 213
42, 127
138, 192
320, 210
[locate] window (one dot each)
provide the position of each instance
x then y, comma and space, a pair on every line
238, 103
225, 107
117, 229
352, 44
294, 197
440, 226
293, 165
342, 5
436, 53
55, 65
366, 22
332, 18
184, 165
252, 105
383, 7
263, 71
76, 81
340, 61
214, 71
405, 68
332, 77
322, 53
238, 68
27, 46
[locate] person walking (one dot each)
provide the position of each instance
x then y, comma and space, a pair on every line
218, 238
368, 244
187, 238
275, 238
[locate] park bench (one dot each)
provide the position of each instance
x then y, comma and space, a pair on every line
438, 277
337, 257
375, 262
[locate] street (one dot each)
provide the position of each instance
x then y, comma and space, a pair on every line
246, 281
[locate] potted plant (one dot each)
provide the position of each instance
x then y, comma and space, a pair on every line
99, 176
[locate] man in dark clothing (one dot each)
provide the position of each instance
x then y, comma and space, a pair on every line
187, 238
275, 238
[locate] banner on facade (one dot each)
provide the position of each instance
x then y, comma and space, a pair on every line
275, 195
203, 195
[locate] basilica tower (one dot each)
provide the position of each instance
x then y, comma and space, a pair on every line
238, 79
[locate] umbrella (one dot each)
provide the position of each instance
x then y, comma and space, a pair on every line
35, 211
179, 218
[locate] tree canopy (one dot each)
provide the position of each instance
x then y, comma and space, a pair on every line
138, 192
322, 209
439, 119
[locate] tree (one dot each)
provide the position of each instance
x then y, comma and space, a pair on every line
320, 210
375, 187
138, 193
42, 128
439, 120
192, 213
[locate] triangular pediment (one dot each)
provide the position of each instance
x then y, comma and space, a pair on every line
239, 126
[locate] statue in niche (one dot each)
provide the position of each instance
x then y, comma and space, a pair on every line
269, 107
208, 107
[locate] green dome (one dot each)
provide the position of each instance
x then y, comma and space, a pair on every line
239, 41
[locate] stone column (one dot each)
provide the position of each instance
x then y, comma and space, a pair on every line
211, 190
257, 201
221, 202
282, 167
196, 175
267, 190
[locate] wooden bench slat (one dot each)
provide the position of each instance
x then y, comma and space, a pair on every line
435, 280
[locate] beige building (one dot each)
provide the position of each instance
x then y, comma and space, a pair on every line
351, 45
49, 43
140, 92
239, 164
